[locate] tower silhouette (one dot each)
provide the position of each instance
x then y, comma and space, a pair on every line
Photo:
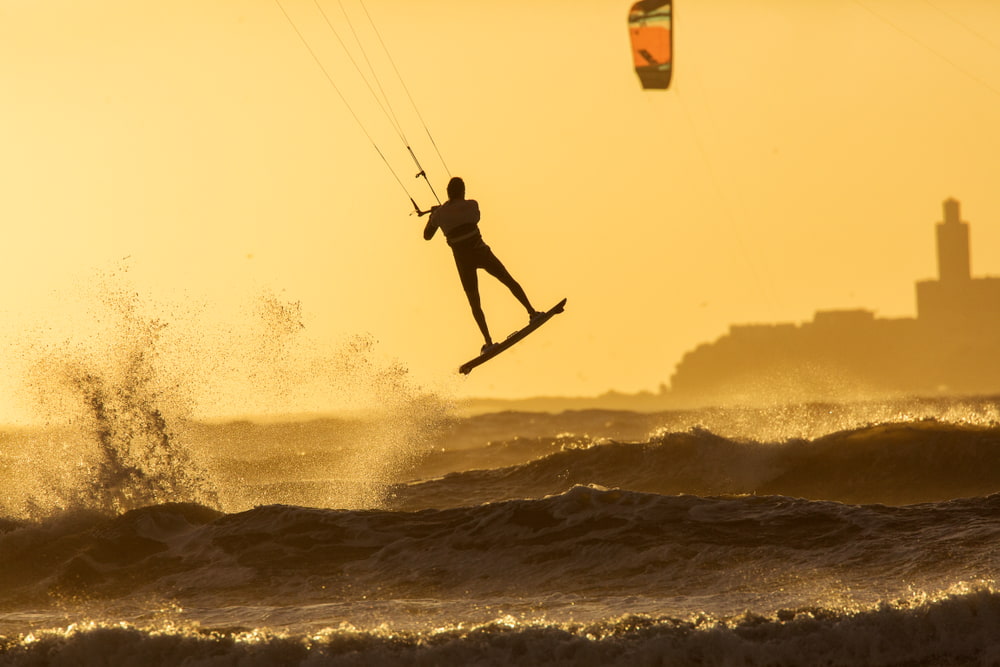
953, 245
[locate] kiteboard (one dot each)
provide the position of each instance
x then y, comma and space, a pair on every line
509, 341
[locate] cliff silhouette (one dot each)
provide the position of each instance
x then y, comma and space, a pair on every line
951, 348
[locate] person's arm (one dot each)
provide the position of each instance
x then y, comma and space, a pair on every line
431, 226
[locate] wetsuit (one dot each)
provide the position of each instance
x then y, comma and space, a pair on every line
458, 219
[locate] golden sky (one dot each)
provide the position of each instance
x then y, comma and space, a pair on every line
196, 151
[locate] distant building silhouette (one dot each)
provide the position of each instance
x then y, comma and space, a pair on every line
952, 347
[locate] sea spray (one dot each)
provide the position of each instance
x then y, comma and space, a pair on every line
402, 420
275, 354
120, 402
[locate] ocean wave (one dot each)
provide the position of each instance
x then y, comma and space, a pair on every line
894, 463
954, 628
587, 541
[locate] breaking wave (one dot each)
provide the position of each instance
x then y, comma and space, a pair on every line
585, 542
954, 628
895, 463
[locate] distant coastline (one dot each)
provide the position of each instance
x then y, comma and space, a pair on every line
950, 348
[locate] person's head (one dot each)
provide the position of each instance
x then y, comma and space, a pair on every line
456, 188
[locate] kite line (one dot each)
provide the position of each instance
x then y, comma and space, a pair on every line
380, 96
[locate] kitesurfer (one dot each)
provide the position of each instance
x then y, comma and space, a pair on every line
458, 219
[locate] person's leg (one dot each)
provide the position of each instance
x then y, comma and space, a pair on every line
495, 268
470, 283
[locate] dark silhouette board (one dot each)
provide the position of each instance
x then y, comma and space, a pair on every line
510, 340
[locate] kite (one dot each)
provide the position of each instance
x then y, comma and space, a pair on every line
650, 27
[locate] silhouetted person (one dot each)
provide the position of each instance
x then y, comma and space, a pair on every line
458, 218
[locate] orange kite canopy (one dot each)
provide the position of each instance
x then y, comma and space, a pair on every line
650, 26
